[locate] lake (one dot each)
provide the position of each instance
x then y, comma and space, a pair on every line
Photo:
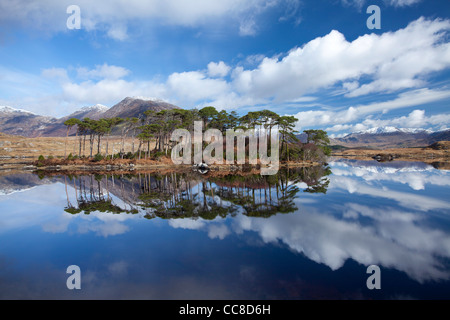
305, 233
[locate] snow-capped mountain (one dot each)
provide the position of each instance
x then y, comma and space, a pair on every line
22, 122
385, 137
25, 123
389, 129
97, 107
9, 110
92, 112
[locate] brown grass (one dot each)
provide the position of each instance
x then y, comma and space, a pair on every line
31, 148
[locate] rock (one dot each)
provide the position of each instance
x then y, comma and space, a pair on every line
383, 157
201, 168
29, 167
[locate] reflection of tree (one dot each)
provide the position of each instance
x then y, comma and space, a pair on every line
91, 197
188, 195
264, 196
175, 195
316, 179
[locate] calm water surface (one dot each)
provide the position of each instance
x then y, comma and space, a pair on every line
307, 233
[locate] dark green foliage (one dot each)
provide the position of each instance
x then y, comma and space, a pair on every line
98, 157
153, 132
41, 161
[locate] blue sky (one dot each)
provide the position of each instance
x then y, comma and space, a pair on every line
316, 60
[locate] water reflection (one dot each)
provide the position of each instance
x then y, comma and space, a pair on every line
335, 219
188, 195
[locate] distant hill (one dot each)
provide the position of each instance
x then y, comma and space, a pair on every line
58, 129
24, 123
27, 124
390, 137
134, 107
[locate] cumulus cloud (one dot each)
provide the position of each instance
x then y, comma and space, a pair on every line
195, 86
219, 69
415, 119
392, 61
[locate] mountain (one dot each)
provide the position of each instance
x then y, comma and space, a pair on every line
134, 107
388, 129
24, 123
58, 128
391, 137
94, 112
27, 124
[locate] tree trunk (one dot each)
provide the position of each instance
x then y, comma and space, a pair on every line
65, 144
98, 144
91, 143
84, 145
75, 143
79, 153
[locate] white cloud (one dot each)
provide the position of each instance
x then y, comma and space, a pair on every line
338, 120
195, 86
403, 3
392, 61
113, 16
104, 71
247, 27
219, 69
396, 3
415, 119
59, 74
118, 32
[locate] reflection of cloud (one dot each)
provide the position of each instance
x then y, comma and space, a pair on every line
104, 224
58, 225
104, 229
218, 231
215, 230
118, 268
186, 223
354, 211
408, 200
416, 175
396, 243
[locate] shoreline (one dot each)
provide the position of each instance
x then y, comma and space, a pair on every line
132, 167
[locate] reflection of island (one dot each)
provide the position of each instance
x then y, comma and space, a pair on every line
184, 195
387, 214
